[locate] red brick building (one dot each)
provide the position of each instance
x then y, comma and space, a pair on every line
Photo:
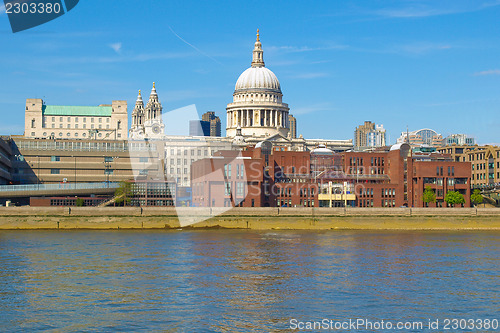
265, 177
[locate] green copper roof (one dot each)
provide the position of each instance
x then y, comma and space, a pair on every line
62, 110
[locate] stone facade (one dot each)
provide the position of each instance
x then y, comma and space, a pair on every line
257, 106
103, 122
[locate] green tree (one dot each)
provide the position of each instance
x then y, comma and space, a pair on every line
476, 197
453, 198
429, 195
79, 202
123, 193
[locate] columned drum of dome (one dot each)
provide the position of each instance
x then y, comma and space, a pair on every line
257, 106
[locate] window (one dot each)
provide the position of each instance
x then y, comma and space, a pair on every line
100, 120
32, 123
68, 126
100, 126
84, 120
55, 171
53, 118
107, 120
60, 119
108, 159
76, 119
240, 189
69, 119
146, 159
119, 125
76, 125
227, 190
108, 171
91, 120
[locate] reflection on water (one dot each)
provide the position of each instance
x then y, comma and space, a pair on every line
241, 281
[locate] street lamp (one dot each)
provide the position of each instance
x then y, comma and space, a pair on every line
38, 173
75, 170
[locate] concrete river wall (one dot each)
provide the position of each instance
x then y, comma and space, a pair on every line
250, 218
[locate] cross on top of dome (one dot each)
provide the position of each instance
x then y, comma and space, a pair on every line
258, 53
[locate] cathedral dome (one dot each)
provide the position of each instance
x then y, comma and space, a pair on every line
259, 78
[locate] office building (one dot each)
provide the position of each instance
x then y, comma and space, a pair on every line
215, 125
460, 140
485, 162
293, 126
361, 132
424, 136
103, 122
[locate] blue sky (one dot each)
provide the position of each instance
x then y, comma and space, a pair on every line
432, 64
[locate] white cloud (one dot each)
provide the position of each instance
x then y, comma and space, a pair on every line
310, 75
426, 10
312, 108
489, 72
296, 49
423, 47
117, 47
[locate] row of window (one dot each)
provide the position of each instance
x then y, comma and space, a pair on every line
240, 171
450, 182
240, 189
55, 171
484, 176
68, 126
70, 119
369, 203
76, 134
360, 170
179, 152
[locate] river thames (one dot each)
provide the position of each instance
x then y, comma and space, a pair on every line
242, 280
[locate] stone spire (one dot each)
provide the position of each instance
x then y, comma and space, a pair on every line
138, 112
258, 53
153, 107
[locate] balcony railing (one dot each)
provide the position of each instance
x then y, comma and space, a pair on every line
61, 186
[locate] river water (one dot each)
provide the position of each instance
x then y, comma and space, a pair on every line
243, 281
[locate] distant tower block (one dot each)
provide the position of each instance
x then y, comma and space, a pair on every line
293, 126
